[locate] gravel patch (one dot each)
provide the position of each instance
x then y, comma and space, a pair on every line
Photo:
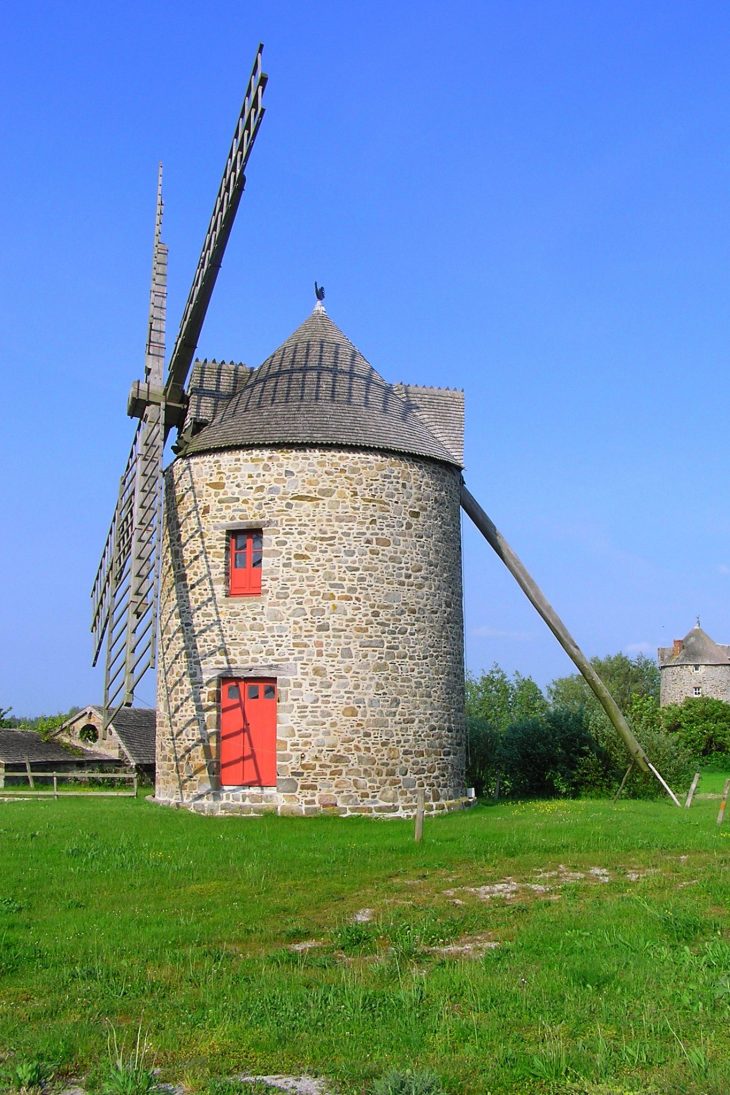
298, 1085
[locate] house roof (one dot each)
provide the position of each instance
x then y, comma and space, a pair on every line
135, 727
696, 648
318, 389
17, 745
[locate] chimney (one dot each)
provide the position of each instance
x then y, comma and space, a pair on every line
677, 647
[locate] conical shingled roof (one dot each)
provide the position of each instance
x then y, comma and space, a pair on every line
697, 649
318, 389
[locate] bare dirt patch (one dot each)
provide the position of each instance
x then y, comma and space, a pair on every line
469, 946
548, 880
298, 1085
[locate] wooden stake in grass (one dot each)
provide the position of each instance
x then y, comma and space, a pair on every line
622, 784
691, 792
723, 804
420, 809
29, 770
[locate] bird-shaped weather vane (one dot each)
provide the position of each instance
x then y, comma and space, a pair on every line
319, 292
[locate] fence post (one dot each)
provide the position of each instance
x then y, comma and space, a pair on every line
55, 785
691, 792
134, 785
30, 774
723, 804
420, 808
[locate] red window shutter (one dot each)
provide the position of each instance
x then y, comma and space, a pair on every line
245, 562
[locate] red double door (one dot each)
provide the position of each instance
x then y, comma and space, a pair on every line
248, 733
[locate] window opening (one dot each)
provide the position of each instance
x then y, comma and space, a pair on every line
245, 562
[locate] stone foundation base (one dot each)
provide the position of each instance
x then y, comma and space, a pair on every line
255, 803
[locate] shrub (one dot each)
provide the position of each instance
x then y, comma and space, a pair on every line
482, 757
668, 754
550, 756
701, 724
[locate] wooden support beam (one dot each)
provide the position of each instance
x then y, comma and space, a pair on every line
622, 784
538, 600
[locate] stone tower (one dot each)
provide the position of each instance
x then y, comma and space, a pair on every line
311, 632
694, 666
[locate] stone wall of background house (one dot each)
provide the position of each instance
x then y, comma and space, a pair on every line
359, 620
677, 682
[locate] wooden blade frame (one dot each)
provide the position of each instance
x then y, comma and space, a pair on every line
538, 600
219, 229
124, 595
125, 591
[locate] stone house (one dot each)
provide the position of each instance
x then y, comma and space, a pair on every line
310, 642
129, 738
694, 666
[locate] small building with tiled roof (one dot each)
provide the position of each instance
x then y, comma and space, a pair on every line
310, 641
692, 667
21, 750
129, 737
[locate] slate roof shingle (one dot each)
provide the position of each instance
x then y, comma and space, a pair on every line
136, 727
318, 389
17, 745
212, 383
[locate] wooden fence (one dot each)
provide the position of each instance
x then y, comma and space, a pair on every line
88, 776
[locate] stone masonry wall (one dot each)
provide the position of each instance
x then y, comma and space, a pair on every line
359, 620
677, 682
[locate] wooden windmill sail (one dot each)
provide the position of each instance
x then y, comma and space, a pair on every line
125, 592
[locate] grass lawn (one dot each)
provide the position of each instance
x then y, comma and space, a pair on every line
529, 947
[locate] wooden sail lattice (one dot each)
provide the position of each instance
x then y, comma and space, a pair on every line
125, 593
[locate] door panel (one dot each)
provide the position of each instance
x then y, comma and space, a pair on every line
248, 733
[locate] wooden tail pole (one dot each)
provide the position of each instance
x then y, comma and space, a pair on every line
538, 600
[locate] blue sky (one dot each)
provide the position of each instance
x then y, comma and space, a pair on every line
528, 200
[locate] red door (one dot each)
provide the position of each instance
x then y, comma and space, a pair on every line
248, 733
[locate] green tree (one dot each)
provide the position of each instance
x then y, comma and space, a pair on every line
701, 723
624, 677
500, 700
46, 725
5, 722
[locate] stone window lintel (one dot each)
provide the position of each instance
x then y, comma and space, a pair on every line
243, 526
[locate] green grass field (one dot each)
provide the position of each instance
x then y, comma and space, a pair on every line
530, 947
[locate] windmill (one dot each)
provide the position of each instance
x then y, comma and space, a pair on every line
293, 467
